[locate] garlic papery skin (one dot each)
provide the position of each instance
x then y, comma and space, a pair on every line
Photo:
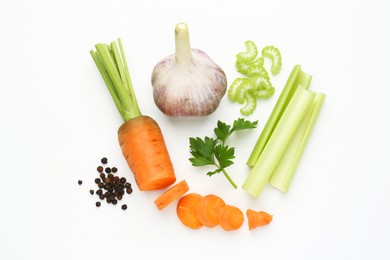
187, 83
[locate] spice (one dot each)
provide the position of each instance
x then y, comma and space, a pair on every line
110, 188
104, 160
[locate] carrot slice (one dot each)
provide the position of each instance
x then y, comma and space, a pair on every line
171, 195
230, 218
208, 210
187, 210
257, 218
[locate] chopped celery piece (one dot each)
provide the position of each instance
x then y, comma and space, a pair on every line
274, 54
250, 104
284, 172
233, 88
279, 141
242, 89
244, 67
297, 78
257, 70
250, 53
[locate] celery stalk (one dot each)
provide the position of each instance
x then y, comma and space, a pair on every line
285, 171
296, 78
279, 141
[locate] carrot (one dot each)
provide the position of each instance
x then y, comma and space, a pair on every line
230, 218
144, 149
187, 210
257, 218
171, 195
140, 137
208, 210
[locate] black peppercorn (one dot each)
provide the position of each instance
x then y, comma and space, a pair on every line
98, 204
80, 182
124, 206
104, 160
100, 168
91, 191
107, 170
114, 169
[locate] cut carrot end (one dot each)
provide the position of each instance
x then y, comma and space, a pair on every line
171, 195
187, 210
230, 218
145, 151
208, 210
257, 218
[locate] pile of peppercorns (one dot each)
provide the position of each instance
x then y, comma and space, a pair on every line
111, 188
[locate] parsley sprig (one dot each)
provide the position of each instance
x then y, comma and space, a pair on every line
214, 151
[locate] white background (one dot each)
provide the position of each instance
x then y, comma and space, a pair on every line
58, 120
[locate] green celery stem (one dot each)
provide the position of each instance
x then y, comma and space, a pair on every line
285, 171
279, 141
297, 78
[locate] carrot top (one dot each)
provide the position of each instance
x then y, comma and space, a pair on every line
112, 65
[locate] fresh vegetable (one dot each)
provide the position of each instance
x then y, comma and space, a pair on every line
278, 142
214, 151
274, 54
297, 78
257, 85
140, 137
285, 171
171, 195
257, 218
187, 209
208, 210
187, 83
289, 124
230, 218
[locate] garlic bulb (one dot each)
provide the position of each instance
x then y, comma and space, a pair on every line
187, 83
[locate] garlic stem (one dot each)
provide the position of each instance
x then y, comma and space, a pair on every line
182, 44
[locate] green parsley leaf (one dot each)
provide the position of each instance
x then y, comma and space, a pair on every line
202, 151
210, 151
241, 124
224, 155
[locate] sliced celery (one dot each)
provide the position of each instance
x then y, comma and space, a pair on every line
296, 78
279, 141
233, 88
250, 104
274, 54
285, 171
250, 53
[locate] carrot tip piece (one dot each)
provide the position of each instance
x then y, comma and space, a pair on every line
258, 218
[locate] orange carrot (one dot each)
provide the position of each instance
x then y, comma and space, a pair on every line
187, 210
257, 218
144, 149
230, 218
208, 210
140, 137
171, 195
